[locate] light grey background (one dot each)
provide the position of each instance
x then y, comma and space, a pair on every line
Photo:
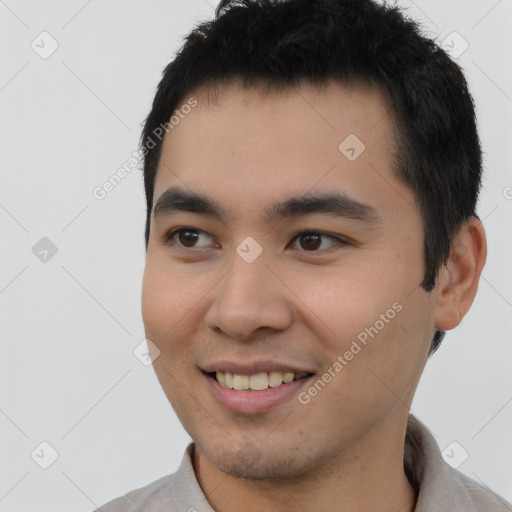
68, 375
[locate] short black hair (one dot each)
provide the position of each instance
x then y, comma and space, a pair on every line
282, 43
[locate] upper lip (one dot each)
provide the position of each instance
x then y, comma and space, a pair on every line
252, 368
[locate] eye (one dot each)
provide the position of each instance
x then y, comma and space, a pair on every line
314, 241
188, 238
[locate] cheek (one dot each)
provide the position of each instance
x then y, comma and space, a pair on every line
347, 299
168, 296
156, 302
164, 312
164, 308
373, 309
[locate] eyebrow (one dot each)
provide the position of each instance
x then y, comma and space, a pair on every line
176, 199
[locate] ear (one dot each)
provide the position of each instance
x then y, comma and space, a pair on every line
458, 278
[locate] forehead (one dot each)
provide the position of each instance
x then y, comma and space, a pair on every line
298, 112
256, 143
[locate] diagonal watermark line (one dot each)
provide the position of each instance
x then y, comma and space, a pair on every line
480, 275
424, 484
490, 213
320, 179
195, 400
76, 14
393, 187
279, 424
496, 290
126, 499
79, 79
74, 218
104, 395
408, 504
208, 494
387, 114
13, 13
507, 505
419, 417
213, 7
294, 499
316, 110
11, 489
14, 218
278, 278
13, 279
486, 14
96, 300
14, 423
81, 490
391, 391
14, 76
416, 287
491, 419
492, 81
424, 13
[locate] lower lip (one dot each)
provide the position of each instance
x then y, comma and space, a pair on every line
254, 402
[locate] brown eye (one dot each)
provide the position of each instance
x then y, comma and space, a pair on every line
310, 242
188, 238
314, 241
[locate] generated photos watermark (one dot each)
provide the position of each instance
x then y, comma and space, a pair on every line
134, 161
304, 397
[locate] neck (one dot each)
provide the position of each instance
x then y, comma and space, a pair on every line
368, 478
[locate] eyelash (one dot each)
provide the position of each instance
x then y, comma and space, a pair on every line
170, 235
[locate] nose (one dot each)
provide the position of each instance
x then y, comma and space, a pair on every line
250, 298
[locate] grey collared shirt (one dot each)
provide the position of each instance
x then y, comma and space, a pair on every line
440, 487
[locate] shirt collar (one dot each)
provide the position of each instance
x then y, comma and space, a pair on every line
438, 486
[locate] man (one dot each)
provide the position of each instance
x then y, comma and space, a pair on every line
311, 172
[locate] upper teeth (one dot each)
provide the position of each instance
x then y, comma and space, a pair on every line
257, 382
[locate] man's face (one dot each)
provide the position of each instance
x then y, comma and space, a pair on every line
337, 281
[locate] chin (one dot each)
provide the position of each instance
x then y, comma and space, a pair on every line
252, 462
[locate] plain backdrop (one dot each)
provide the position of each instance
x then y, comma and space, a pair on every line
70, 278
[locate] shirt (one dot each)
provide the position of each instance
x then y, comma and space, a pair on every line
439, 487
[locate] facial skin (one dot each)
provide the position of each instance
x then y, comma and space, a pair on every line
204, 304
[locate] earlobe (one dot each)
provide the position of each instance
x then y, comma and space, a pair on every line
459, 277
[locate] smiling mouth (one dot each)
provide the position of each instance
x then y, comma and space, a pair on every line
256, 382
